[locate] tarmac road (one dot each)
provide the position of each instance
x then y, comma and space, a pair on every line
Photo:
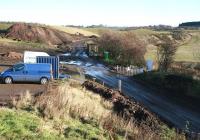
174, 110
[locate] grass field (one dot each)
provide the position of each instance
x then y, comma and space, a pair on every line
10, 42
188, 52
73, 30
191, 50
5, 26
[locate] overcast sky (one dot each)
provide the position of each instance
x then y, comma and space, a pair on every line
107, 12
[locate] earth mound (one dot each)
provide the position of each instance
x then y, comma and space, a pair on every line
12, 55
38, 34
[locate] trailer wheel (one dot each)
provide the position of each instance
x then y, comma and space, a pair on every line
43, 81
8, 80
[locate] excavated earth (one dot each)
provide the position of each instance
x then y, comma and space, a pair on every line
39, 34
124, 106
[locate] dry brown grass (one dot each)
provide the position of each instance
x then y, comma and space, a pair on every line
24, 101
70, 100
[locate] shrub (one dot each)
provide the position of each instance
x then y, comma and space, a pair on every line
124, 48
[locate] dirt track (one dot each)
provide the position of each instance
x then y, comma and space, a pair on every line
15, 90
8, 91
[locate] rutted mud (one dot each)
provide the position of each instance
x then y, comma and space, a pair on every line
8, 92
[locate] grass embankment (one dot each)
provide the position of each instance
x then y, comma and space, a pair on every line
176, 83
70, 112
19, 124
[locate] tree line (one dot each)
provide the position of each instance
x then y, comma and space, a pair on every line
190, 24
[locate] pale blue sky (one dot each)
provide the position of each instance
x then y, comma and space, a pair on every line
107, 12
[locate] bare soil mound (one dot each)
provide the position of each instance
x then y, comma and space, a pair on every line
12, 55
39, 34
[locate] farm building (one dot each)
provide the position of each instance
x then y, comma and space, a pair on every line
92, 48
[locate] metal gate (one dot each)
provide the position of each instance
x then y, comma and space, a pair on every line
53, 60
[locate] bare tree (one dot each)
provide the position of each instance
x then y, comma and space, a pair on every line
124, 47
111, 42
166, 50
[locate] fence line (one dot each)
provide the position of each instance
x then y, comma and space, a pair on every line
128, 71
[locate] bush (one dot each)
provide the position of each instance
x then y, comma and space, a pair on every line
124, 48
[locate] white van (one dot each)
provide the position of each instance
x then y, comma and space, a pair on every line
30, 57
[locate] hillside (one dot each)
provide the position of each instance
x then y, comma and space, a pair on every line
38, 34
188, 51
189, 40
75, 31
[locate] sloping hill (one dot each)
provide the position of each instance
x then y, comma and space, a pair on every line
39, 34
74, 31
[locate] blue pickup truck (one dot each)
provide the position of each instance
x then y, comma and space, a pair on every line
22, 72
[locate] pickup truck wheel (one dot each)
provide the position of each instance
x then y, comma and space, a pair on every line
43, 81
8, 80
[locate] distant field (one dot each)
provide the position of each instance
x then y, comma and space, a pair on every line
5, 26
188, 52
73, 30
98, 31
191, 50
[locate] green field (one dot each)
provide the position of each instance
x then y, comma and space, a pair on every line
190, 51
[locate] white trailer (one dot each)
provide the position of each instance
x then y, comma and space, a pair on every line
31, 57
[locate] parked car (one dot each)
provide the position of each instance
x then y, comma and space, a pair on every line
27, 73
